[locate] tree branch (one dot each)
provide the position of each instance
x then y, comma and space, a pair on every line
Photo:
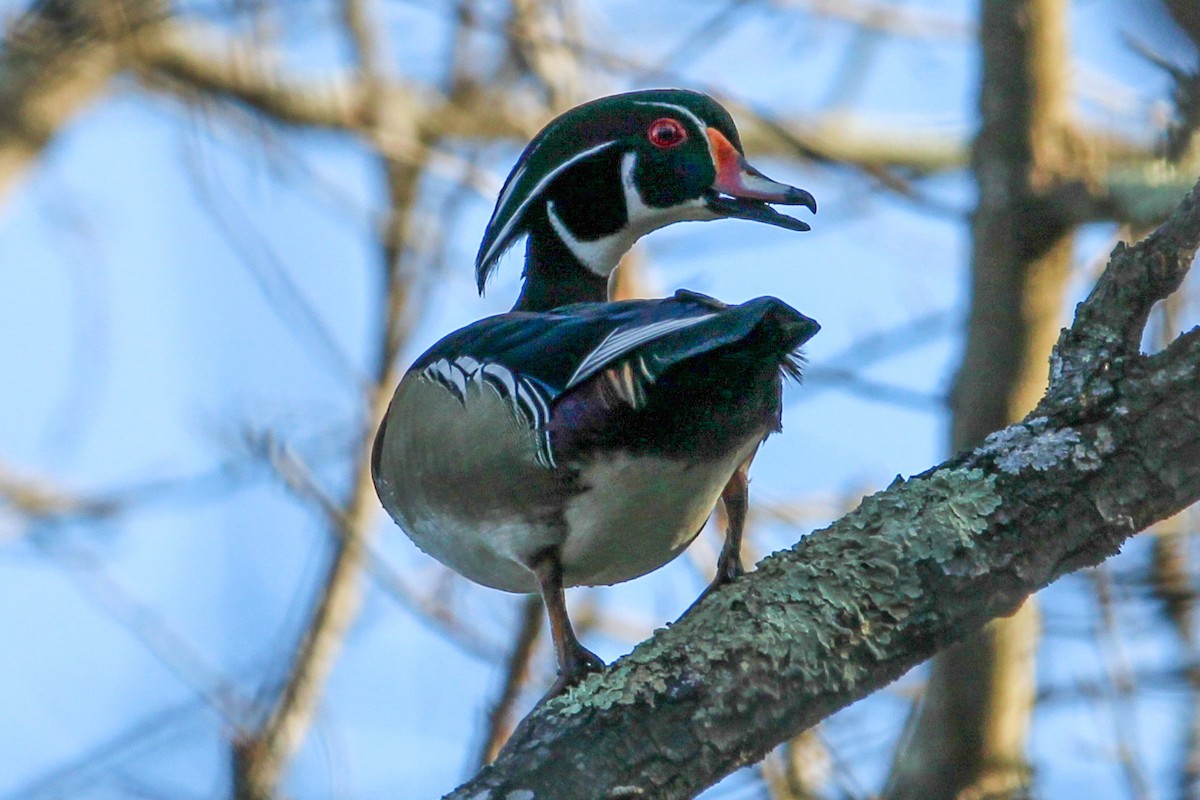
202, 58
62, 54
34, 499
191, 56
1113, 447
55, 60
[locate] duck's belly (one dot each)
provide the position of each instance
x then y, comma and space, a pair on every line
464, 486
492, 553
633, 514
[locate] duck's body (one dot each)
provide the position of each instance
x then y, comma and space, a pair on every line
575, 441
621, 425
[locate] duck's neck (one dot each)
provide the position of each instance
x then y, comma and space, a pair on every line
554, 276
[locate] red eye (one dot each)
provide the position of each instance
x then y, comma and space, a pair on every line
666, 132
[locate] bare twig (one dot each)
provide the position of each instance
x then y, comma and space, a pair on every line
797, 769
272, 277
57, 58
38, 499
544, 37
894, 19
852, 382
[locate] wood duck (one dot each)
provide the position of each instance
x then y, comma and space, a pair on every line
574, 441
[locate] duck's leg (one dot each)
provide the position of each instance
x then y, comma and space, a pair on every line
574, 660
736, 497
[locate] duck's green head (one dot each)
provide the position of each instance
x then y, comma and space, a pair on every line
609, 171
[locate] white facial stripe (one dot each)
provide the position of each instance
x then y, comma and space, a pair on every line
533, 194
602, 255
506, 194
636, 210
701, 126
642, 218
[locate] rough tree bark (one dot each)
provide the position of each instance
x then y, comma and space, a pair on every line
1112, 447
969, 734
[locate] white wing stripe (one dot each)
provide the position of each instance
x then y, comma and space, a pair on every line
540, 408
526, 396
646, 373
504, 376
459, 380
622, 341
440, 369
468, 365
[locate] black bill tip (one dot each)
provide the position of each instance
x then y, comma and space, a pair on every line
799, 197
759, 211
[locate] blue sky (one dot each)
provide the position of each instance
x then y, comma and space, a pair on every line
159, 273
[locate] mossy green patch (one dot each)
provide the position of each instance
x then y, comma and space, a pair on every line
810, 612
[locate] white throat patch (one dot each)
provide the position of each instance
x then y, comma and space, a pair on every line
602, 255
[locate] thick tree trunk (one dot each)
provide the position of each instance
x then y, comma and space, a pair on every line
970, 730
